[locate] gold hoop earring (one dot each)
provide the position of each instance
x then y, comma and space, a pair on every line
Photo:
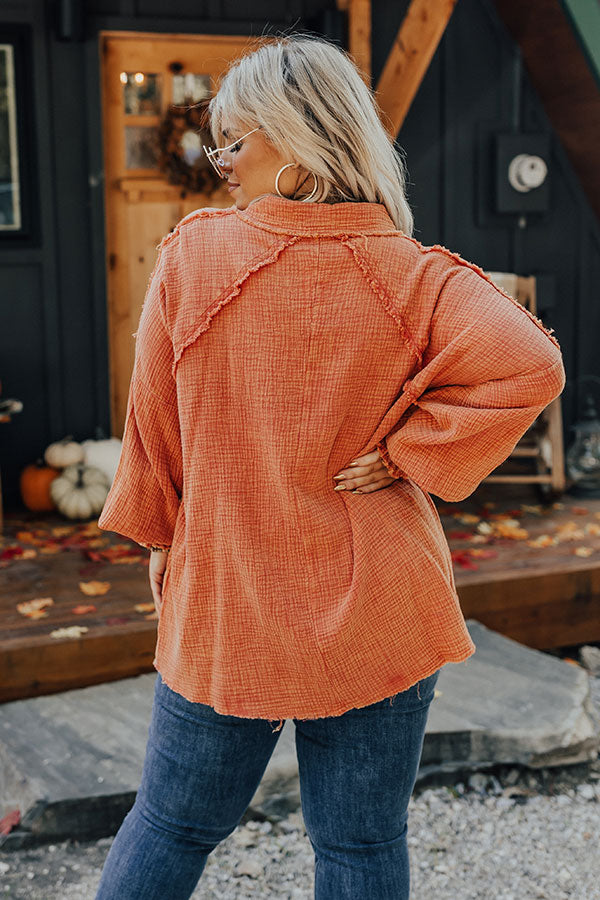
292, 166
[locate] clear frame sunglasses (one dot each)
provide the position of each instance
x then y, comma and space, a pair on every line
214, 157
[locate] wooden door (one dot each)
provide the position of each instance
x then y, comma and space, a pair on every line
142, 76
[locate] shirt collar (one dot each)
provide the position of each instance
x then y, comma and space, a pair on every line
283, 216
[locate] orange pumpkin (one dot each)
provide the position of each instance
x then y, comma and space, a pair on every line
35, 484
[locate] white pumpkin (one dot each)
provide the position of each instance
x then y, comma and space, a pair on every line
64, 453
80, 492
103, 454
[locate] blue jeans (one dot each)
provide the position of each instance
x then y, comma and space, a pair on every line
357, 772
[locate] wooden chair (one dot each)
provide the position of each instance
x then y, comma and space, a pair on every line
542, 443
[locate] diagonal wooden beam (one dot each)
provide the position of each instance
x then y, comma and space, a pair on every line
359, 33
409, 58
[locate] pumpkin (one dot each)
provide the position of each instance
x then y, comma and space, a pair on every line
64, 453
103, 453
35, 481
80, 491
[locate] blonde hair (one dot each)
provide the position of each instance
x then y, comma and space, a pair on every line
311, 103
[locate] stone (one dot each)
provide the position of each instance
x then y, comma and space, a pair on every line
509, 704
589, 657
250, 866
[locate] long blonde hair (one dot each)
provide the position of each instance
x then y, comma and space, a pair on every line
311, 103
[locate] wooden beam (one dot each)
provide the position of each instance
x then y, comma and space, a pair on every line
359, 35
409, 58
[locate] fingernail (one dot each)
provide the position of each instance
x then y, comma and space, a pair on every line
354, 464
339, 476
356, 491
340, 487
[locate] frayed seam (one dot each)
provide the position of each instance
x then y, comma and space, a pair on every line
389, 302
419, 689
479, 271
232, 292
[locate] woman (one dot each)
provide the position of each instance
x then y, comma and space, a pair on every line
305, 375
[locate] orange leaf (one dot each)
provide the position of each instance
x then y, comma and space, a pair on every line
50, 548
592, 528
542, 540
91, 529
94, 588
583, 551
82, 610
27, 537
570, 531
144, 607
153, 615
28, 554
481, 553
580, 510
28, 607
63, 530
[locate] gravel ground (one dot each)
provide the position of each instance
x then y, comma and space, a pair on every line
507, 834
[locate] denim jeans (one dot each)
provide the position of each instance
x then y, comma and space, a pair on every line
201, 769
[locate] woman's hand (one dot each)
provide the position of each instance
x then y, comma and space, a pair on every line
364, 474
156, 569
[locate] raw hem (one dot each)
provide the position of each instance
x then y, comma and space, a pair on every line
279, 714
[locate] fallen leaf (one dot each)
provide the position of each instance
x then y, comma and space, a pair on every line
12, 552
29, 554
583, 551
92, 529
480, 539
580, 510
542, 540
153, 615
32, 607
26, 537
144, 607
573, 662
570, 531
50, 548
483, 554
116, 620
63, 530
463, 559
94, 588
593, 529
73, 631
534, 510
485, 528
8, 822
82, 610
511, 529
466, 518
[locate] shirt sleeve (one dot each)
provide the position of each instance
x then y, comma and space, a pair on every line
144, 498
488, 371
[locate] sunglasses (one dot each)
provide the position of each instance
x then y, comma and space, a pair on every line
214, 157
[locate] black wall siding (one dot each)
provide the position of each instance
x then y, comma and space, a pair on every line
53, 339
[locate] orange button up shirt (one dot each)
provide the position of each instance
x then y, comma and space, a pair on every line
275, 345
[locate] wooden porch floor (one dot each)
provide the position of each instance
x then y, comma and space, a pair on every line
531, 572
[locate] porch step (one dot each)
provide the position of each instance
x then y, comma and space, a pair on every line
71, 762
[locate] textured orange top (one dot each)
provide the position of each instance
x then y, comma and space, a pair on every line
275, 345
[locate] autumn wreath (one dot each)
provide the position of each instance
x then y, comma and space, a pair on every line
181, 135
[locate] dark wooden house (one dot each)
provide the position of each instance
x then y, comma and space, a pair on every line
77, 239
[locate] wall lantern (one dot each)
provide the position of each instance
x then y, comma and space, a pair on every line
583, 456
